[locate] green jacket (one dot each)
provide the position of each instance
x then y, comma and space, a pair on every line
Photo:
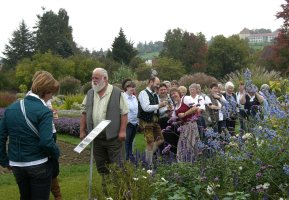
24, 145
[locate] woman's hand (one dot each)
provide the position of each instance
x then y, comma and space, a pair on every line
181, 115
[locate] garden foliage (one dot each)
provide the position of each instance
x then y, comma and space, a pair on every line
6, 99
69, 85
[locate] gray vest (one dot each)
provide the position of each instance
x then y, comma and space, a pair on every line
112, 113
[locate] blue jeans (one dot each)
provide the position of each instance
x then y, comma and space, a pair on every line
130, 134
34, 182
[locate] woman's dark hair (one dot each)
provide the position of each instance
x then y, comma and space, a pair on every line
124, 82
163, 85
129, 84
213, 85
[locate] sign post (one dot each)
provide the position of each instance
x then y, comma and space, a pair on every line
88, 140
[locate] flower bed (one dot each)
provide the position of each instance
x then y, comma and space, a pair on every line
68, 125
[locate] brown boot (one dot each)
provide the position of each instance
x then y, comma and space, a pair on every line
55, 189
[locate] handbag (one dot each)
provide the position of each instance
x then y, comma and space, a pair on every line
26, 118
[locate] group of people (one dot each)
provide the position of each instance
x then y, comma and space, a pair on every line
168, 115
172, 115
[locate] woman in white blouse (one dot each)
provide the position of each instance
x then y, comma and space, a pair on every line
131, 129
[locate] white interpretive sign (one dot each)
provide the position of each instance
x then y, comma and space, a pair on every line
93, 134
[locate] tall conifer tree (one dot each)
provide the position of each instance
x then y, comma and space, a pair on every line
20, 46
123, 50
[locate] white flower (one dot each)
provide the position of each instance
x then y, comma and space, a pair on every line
266, 185
259, 187
210, 190
136, 179
109, 198
163, 179
247, 136
240, 168
260, 127
144, 177
281, 198
259, 143
149, 172
233, 144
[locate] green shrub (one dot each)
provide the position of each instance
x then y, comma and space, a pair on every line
143, 72
69, 85
122, 73
23, 88
76, 106
20, 95
6, 98
71, 99
86, 87
7, 80
140, 85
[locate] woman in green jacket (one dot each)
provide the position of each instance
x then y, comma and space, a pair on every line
31, 144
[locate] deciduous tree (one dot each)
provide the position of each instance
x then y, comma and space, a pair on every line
54, 34
187, 47
279, 57
226, 55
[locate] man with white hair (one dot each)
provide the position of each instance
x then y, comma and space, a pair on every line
104, 102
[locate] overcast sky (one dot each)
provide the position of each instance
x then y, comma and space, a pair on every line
96, 23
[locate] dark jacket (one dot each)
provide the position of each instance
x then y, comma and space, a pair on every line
24, 145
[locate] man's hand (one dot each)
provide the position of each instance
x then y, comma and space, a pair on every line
163, 104
82, 135
122, 135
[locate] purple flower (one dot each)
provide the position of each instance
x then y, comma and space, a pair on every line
286, 169
258, 175
68, 125
247, 74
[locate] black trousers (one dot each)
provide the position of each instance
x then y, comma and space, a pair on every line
34, 182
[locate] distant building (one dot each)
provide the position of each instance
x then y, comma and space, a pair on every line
261, 38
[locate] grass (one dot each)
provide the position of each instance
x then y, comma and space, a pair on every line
139, 143
73, 179
68, 139
149, 56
